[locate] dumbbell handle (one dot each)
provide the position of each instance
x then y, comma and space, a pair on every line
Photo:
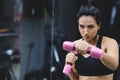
70, 46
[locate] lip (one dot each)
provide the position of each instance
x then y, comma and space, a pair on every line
86, 36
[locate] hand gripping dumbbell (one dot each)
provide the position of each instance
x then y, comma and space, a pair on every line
70, 46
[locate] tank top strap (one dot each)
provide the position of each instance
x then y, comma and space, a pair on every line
99, 42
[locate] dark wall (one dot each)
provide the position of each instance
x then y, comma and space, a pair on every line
35, 8
6, 8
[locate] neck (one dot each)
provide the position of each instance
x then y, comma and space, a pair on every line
94, 40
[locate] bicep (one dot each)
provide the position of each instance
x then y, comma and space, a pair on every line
112, 49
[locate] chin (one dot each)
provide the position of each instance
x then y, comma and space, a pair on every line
86, 39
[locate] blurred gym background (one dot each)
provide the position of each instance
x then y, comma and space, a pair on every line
32, 32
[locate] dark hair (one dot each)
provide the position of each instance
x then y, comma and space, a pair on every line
90, 10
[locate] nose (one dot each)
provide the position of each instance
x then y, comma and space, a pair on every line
86, 31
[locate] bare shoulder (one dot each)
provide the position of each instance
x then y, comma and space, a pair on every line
109, 41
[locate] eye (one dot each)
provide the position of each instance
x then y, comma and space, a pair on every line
81, 26
91, 26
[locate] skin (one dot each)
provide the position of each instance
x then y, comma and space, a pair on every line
88, 29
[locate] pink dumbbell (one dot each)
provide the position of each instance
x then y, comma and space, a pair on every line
70, 46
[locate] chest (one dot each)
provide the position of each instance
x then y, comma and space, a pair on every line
91, 63
90, 66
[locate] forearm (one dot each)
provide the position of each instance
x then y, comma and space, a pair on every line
73, 76
110, 61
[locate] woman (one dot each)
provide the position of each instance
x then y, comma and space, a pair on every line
85, 66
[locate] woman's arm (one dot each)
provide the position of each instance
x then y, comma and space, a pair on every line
71, 58
110, 51
73, 74
111, 54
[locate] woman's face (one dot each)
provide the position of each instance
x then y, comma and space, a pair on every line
88, 27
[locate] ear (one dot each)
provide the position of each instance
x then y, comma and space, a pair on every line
99, 26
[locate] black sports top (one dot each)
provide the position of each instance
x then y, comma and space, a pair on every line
92, 66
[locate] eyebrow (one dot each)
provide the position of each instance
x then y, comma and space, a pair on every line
87, 25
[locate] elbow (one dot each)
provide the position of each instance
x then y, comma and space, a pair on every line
115, 67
